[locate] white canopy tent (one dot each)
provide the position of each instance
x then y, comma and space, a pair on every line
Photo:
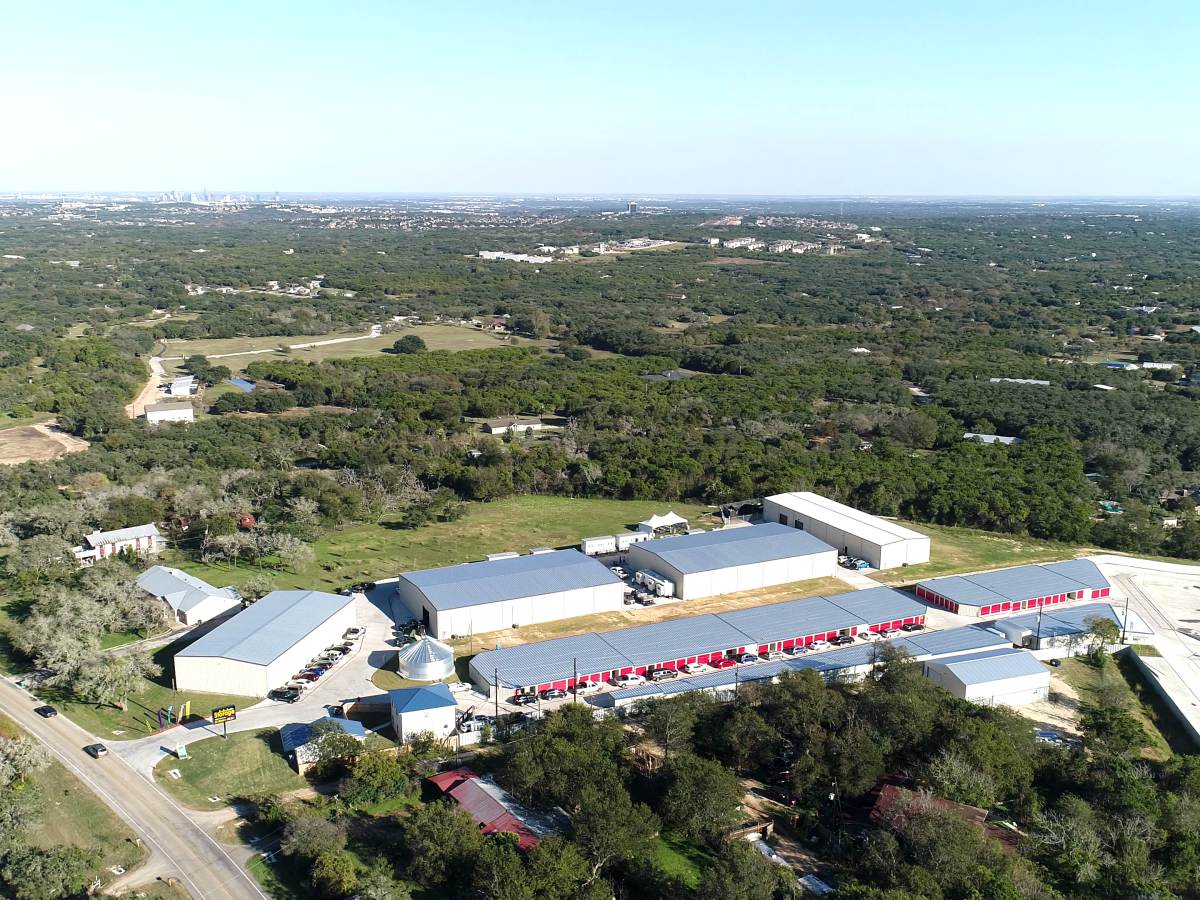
655, 524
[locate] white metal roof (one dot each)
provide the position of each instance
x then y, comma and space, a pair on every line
846, 518
511, 578
270, 627
710, 550
99, 538
992, 665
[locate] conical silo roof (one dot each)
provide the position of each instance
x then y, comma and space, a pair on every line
425, 659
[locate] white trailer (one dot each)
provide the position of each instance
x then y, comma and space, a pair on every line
594, 546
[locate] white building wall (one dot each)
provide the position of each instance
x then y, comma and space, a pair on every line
217, 675
440, 722
737, 578
207, 609
1004, 692
486, 617
880, 555
154, 416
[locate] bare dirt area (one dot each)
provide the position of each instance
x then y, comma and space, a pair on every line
644, 615
37, 443
1060, 711
149, 392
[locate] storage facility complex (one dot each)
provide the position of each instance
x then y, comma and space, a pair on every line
476, 597
673, 643
1008, 677
847, 662
883, 544
1015, 589
261, 647
1060, 628
734, 559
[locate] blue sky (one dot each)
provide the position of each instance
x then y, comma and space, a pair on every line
1048, 98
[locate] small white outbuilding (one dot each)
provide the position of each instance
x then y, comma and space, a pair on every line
419, 710
1006, 677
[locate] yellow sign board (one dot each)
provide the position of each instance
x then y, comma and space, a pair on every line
222, 714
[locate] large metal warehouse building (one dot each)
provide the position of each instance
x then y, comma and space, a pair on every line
261, 647
561, 662
883, 544
1008, 677
1015, 589
735, 559
473, 598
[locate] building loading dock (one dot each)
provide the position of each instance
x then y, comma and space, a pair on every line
882, 543
1015, 589
735, 559
477, 597
674, 643
264, 645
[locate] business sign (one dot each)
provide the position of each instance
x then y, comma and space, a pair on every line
223, 714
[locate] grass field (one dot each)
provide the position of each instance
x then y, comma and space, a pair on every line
678, 856
141, 717
1123, 679
75, 817
436, 337
968, 550
7, 422
249, 762
371, 552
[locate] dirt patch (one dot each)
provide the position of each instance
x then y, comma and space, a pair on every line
37, 443
643, 615
1060, 711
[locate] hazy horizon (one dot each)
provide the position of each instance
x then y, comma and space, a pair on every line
1032, 100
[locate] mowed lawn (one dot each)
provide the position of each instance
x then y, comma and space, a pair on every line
373, 552
247, 763
75, 817
436, 337
968, 550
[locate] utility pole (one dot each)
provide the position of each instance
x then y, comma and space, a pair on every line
496, 692
574, 679
1125, 617
1037, 642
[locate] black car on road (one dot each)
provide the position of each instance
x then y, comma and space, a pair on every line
46, 712
284, 695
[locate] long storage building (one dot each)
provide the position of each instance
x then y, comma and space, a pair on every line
846, 662
560, 663
261, 647
882, 543
1018, 588
735, 559
476, 597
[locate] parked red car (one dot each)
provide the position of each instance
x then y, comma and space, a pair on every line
724, 663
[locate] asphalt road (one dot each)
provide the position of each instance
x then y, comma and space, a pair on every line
177, 845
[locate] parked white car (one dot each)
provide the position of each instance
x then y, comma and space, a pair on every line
695, 669
630, 680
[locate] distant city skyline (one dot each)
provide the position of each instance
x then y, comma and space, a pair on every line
626, 100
